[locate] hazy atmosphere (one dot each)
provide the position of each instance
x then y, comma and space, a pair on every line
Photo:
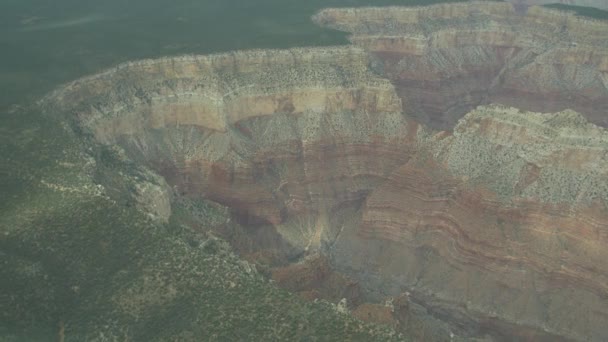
324, 170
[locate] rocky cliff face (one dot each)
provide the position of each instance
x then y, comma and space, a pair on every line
445, 60
497, 226
503, 218
273, 134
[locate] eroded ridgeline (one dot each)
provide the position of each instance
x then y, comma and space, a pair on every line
495, 226
447, 59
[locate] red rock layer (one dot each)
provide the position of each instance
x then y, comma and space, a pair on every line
447, 59
501, 223
522, 260
294, 178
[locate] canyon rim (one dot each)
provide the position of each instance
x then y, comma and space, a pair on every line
445, 174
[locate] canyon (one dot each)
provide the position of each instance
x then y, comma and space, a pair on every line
451, 162
445, 60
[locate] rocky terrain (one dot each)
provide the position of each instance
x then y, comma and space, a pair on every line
445, 60
95, 247
445, 176
251, 129
503, 218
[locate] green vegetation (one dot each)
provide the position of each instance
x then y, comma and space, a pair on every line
81, 256
77, 255
45, 44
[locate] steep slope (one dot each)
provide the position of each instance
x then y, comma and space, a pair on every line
446, 59
81, 260
495, 227
273, 134
504, 219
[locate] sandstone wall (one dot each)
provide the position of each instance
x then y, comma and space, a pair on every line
219, 90
506, 217
446, 59
498, 224
275, 134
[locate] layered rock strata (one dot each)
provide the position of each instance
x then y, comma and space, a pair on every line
276, 135
446, 59
497, 226
506, 217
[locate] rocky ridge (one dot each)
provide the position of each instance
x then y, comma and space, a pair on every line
264, 159
216, 91
446, 59
494, 226
504, 216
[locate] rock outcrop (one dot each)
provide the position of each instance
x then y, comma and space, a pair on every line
496, 226
446, 59
273, 134
506, 217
